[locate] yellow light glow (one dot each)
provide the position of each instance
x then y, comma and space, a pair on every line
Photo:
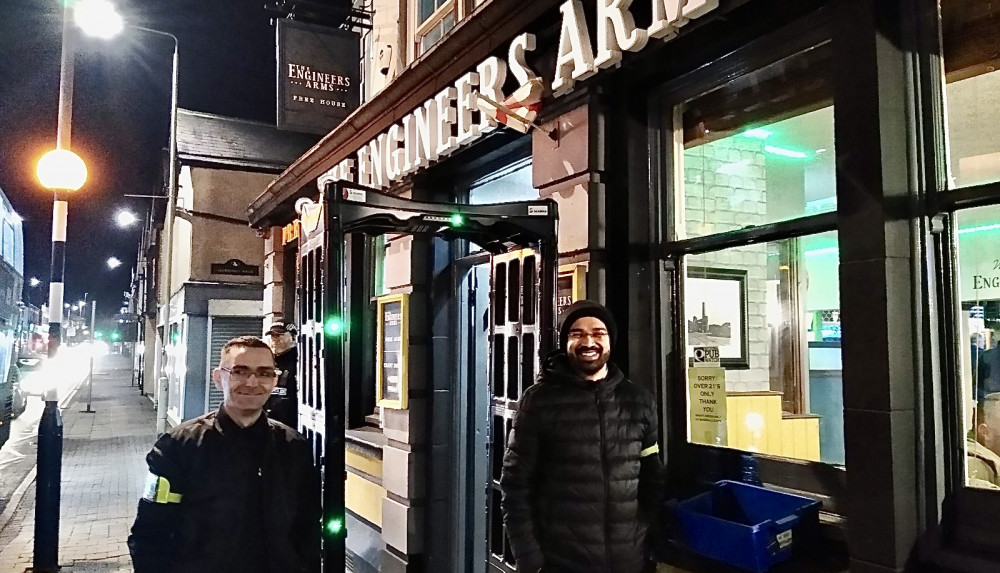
61, 169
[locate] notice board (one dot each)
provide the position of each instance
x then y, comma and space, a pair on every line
393, 350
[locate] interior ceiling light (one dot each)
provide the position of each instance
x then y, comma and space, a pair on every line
792, 153
757, 133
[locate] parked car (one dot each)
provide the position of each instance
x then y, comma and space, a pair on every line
26, 374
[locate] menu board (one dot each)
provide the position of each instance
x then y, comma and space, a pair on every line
393, 342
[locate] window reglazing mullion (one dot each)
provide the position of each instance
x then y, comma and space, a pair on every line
760, 234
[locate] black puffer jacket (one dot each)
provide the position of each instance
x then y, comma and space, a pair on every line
578, 496
227, 499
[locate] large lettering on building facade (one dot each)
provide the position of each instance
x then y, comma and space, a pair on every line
450, 120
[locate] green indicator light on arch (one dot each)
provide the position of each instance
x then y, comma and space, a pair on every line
334, 327
457, 220
335, 526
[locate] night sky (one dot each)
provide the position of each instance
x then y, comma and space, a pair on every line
121, 116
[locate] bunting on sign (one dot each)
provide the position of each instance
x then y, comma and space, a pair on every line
519, 110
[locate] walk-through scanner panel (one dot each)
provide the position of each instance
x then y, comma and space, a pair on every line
347, 208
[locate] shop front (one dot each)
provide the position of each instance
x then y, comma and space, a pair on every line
810, 187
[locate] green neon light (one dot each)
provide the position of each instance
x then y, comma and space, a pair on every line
992, 227
757, 133
785, 152
457, 220
825, 251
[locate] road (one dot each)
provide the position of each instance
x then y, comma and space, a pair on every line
67, 373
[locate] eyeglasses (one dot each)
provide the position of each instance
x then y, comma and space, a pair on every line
245, 372
577, 334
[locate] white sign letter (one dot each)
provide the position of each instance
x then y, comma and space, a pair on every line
492, 73
394, 159
467, 129
425, 134
669, 15
575, 59
515, 56
616, 31
364, 167
446, 117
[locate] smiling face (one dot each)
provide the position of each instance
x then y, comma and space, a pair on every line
245, 394
280, 342
588, 346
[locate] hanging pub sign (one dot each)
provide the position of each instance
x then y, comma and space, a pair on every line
318, 76
393, 350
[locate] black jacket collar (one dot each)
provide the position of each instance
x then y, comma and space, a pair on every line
226, 424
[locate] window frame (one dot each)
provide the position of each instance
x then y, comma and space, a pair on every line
423, 27
965, 539
694, 463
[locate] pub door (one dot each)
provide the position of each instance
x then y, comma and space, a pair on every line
515, 333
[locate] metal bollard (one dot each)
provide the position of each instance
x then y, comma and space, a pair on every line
48, 485
161, 405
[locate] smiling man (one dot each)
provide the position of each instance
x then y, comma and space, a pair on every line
231, 491
581, 478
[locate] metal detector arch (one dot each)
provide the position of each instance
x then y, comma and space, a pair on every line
348, 208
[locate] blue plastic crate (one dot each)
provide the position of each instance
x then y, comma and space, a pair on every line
745, 526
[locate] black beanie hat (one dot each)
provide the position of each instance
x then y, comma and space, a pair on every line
580, 309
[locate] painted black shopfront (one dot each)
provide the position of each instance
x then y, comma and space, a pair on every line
892, 478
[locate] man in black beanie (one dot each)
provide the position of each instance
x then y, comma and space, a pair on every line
581, 478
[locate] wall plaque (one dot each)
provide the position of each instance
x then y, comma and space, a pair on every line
235, 267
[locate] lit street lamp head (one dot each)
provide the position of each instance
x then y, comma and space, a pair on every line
114, 263
61, 170
97, 18
125, 218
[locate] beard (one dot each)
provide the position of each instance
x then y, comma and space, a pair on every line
586, 366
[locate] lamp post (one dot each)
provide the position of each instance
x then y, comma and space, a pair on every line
61, 171
99, 18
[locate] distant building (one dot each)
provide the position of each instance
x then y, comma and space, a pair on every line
216, 286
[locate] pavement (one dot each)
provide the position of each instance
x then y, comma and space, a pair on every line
102, 477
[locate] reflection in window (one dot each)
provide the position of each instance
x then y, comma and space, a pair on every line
759, 149
971, 37
773, 310
978, 233
755, 151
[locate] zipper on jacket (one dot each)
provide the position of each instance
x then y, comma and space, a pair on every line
607, 486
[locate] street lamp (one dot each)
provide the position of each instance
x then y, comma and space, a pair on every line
102, 21
114, 263
61, 171
34, 281
125, 218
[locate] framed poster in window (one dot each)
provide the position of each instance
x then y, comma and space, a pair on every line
572, 285
715, 309
393, 351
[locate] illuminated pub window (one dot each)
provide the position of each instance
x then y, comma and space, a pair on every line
752, 152
971, 45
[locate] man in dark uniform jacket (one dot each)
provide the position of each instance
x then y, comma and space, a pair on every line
231, 491
284, 402
581, 478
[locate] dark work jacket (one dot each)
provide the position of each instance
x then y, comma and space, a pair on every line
577, 496
283, 405
249, 501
